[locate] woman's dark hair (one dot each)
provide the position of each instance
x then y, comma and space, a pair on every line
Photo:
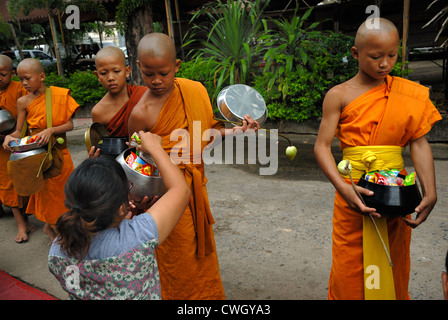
94, 193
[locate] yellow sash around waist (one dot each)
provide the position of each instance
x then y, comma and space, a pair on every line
378, 275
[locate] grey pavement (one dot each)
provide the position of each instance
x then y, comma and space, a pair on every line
273, 232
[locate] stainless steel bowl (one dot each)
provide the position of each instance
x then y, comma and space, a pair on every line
25, 154
7, 122
237, 100
141, 185
25, 147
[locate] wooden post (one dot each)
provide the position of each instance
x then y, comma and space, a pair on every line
169, 19
14, 35
56, 53
405, 33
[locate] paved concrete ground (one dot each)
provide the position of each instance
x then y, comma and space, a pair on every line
273, 233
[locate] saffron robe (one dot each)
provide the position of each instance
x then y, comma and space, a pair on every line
8, 101
188, 262
118, 125
48, 204
391, 114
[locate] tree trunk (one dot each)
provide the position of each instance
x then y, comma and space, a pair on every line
139, 25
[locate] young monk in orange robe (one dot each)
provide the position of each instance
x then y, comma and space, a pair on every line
173, 108
114, 108
374, 116
48, 204
10, 91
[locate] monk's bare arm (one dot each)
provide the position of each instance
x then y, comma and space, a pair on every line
96, 113
44, 136
331, 112
22, 103
136, 120
422, 158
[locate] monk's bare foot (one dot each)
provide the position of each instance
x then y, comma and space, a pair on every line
21, 236
50, 231
31, 228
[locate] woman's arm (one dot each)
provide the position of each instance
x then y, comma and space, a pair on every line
168, 210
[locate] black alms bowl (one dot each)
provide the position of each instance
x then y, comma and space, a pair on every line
112, 146
391, 201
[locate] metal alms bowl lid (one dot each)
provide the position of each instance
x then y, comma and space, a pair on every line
94, 133
235, 101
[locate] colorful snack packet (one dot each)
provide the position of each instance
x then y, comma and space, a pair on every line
370, 176
409, 180
136, 138
138, 164
130, 159
380, 179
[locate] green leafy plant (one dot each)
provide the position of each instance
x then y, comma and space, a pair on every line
228, 39
84, 86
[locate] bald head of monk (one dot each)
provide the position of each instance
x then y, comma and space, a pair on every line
376, 49
108, 52
31, 75
375, 28
6, 63
156, 45
158, 64
30, 65
6, 71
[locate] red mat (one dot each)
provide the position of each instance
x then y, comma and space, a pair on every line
13, 289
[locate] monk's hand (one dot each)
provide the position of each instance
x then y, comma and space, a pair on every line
44, 136
7, 141
423, 210
93, 154
248, 124
355, 203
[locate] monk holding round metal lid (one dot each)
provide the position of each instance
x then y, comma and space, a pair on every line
374, 115
173, 107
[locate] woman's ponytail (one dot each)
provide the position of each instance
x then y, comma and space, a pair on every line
74, 234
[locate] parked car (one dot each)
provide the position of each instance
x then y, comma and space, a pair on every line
44, 58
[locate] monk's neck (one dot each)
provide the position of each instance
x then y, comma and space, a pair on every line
367, 81
39, 91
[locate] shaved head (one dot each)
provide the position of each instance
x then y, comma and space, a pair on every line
369, 28
6, 62
156, 45
31, 65
111, 52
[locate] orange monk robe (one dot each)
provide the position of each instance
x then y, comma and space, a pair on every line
48, 204
187, 259
8, 101
118, 125
393, 113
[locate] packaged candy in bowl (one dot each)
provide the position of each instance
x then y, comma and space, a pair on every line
28, 140
139, 165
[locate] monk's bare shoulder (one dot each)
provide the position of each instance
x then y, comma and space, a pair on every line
104, 110
334, 98
24, 101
